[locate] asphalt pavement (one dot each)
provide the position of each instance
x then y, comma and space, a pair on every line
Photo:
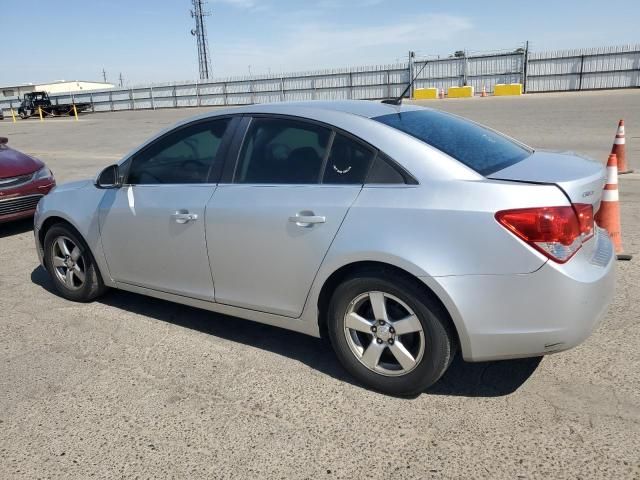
133, 387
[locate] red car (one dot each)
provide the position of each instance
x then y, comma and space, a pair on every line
24, 180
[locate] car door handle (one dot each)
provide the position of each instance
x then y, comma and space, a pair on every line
304, 219
183, 216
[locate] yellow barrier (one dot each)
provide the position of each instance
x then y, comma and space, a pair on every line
425, 93
40, 113
502, 89
460, 92
75, 111
13, 115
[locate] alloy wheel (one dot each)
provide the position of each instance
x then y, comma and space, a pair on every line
384, 333
68, 263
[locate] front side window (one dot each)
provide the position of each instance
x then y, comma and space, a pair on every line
282, 151
184, 156
479, 148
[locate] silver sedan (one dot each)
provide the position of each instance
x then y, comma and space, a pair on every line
403, 234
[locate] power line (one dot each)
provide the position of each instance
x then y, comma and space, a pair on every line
200, 32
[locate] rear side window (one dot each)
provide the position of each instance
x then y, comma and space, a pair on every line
479, 148
383, 171
348, 162
282, 151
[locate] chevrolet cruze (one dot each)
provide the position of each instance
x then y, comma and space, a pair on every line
403, 234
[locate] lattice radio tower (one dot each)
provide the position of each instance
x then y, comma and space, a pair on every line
200, 32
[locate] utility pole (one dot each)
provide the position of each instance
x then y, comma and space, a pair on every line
200, 32
412, 56
121, 81
525, 67
104, 76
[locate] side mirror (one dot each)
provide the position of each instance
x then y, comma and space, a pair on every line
3, 140
109, 178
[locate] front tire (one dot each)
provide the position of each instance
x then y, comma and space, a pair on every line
389, 334
71, 265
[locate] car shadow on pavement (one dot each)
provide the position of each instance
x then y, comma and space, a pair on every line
16, 227
486, 379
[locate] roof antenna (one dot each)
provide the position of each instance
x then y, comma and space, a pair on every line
398, 101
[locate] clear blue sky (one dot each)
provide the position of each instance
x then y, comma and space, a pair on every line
149, 40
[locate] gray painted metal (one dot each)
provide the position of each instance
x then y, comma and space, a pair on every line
584, 69
565, 70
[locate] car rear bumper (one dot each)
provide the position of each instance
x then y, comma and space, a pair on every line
547, 311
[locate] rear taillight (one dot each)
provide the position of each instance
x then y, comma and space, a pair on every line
585, 218
557, 232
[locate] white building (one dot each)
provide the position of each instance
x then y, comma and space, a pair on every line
61, 86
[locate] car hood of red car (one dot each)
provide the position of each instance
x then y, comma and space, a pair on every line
14, 163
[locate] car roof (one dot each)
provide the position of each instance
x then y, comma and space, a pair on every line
362, 108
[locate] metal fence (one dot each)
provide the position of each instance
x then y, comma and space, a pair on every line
477, 71
584, 69
569, 70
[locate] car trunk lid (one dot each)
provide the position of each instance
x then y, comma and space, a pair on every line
580, 178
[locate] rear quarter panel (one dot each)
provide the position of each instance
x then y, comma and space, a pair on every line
436, 229
442, 228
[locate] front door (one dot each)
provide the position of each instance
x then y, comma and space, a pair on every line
153, 228
269, 230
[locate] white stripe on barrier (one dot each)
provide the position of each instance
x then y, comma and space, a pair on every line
619, 141
612, 175
610, 195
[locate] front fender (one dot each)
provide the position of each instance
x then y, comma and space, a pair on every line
77, 203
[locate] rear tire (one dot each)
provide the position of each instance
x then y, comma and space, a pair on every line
394, 357
71, 265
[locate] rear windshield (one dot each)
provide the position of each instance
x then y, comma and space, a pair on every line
481, 149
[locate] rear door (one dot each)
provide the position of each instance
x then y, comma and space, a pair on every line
270, 226
153, 228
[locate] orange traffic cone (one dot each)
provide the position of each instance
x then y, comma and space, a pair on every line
484, 91
442, 93
620, 150
608, 217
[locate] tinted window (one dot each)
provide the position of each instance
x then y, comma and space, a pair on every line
184, 156
348, 162
382, 171
282, 151
481, 149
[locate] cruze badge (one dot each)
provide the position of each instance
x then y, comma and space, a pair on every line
587, 194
